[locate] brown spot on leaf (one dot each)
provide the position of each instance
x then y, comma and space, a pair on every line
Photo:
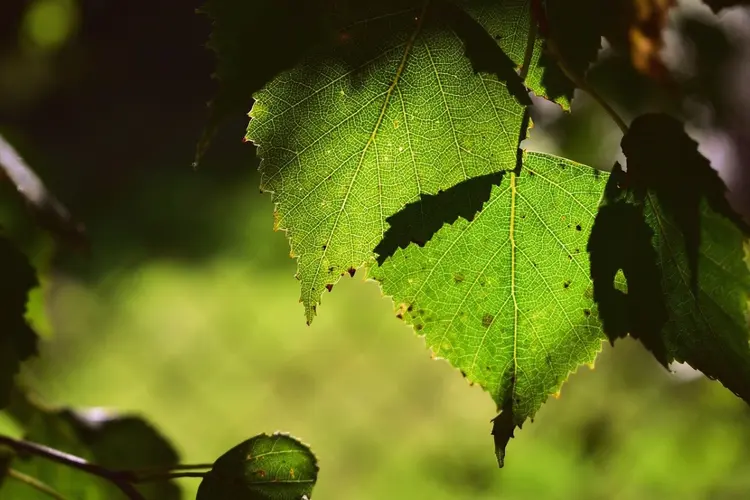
329, 286
578, 227
419, 326
458, 278
351, 271
260, 473
487, 320
566, 284
587, 312
463, 374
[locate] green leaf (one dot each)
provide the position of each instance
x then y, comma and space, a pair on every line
694, 272
393, 111
277, 467
506, 297
119, 443
18, 341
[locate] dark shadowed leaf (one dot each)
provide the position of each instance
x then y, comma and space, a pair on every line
18, 341
127, 443
717, 5
276, 467
672, 199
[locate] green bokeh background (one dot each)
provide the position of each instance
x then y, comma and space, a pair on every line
187, 310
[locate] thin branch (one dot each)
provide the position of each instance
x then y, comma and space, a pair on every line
166, 476
159, 470
539, 17
51, 214
121, 480
580, 82
35, 483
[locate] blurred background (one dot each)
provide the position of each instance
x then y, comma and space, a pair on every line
186, 310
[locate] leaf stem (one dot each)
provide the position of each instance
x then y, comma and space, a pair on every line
580, 82
119, 479
539, 17
166, 476
35, 483
160, 470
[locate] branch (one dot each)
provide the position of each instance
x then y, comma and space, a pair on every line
52, 214
539, 14
119, 479
35, 483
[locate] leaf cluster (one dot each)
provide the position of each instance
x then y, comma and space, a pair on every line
392, 140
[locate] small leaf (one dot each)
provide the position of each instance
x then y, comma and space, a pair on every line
277, 467
18, 341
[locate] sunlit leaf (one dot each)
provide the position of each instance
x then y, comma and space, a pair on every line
506, 297
276, 467
394, 110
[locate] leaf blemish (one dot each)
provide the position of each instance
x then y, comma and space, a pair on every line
587, 312
578, 227
329, 287
458, 278
351, 271
566, 284
487, 320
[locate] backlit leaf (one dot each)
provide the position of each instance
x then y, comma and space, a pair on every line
507, 298
276, 467
395, 110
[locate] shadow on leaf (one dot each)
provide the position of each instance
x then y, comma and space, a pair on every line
482, 50
662, 159
419, 221
621, 240
18, 341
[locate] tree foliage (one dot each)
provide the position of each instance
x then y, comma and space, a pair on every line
391, 137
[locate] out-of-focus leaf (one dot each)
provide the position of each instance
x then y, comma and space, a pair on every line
717, 5
276, 467
118, 443
18, 341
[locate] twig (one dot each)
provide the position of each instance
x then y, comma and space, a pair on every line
539, 14
166, 476
52, 214
35, 483
118, 479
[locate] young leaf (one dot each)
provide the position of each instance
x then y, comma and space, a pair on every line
696, 267
507, 298
277, 467
18, 341
351, 135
